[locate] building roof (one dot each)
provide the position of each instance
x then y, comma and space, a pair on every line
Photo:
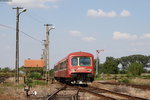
34, 63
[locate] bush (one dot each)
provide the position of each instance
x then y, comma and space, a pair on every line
135, 69
124, 80
35, 75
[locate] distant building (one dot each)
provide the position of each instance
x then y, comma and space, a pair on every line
34, 63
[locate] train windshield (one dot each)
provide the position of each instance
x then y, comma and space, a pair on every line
81, 61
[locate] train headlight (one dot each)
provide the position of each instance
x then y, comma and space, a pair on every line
89, 70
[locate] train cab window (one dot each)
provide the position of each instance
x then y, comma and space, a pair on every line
85, 61
74, 61
81, 61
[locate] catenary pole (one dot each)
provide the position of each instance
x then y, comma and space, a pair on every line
47, 50
17, 43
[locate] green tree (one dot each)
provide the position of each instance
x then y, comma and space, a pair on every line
135, 68
142, 59
6, 69
110, 66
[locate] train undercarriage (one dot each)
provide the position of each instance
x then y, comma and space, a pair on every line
77, 78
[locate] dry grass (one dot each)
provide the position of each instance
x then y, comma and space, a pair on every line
140, 81
10, 91
139, 92
121, 89
125, 89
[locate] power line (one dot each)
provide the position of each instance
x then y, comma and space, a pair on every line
37, 20
31, 37
9, 27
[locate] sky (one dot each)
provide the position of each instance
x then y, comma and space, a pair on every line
119, 27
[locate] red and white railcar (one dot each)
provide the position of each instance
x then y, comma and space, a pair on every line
75, 68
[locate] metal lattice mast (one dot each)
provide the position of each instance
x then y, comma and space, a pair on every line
46, 44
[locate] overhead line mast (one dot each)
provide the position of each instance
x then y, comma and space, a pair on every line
46, 50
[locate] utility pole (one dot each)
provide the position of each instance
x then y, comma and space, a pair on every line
17, 43
98, 61
46, 51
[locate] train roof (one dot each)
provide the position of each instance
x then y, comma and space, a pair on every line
74, 53
80, 53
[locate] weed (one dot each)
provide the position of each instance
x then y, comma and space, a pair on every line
124, 80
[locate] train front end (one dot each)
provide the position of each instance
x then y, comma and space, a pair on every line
81, 67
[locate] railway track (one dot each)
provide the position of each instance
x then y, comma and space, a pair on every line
103, 94
57, 96
109, 95
50, 97
131, 85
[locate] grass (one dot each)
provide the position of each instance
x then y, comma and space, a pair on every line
37, 82
146, 76
144, 79
140, 81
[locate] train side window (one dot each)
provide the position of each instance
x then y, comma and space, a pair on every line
74, 61
55, 68
65, 65
61, 66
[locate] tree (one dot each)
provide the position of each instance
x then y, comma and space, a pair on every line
125, 61
135, 68
110, 66
6, 69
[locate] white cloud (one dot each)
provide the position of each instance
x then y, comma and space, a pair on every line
75, 33
101, 13
128, 36
89, 39
124, 36
125, 13
80, 35
145, 36
33, 3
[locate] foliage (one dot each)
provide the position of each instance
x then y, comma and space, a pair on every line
6, 69
34, 75
125, 61
135, 69
110, 66
6, 72
30, 82
32, 69
124, 80
38, 82
51, 72
146, 76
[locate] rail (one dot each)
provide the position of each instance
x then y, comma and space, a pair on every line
145, 87
107, 94
50, 97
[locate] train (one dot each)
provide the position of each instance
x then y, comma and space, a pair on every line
75, 68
